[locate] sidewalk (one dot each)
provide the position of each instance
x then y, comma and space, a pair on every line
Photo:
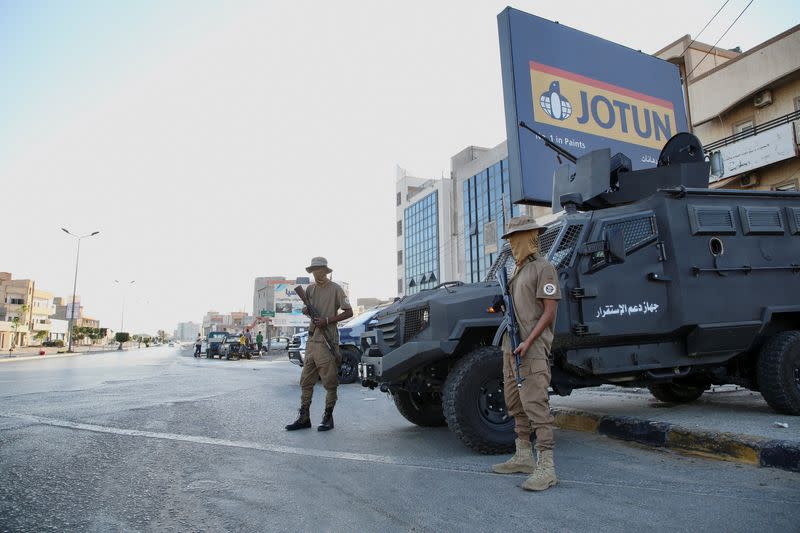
32, 352
727, 423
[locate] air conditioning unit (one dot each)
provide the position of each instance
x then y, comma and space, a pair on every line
763, 99
749, 180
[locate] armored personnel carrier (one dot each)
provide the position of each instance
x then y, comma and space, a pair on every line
667, 284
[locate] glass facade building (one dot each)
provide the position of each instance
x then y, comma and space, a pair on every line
421, 228
487, 198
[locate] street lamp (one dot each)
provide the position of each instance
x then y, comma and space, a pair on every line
124, 286
75, 282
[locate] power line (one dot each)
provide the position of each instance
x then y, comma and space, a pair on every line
704, 27
720, 38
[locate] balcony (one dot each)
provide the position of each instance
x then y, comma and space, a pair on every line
760, 146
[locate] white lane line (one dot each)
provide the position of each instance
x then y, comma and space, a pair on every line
349, 456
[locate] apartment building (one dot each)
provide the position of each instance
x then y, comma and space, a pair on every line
745, 108
16, 311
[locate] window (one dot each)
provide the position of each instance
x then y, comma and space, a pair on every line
421, 243
790, 185
797, 103
399, 198
400, 286
399, 257
399, 228
744, 126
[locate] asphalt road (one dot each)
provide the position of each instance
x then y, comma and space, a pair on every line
156, 440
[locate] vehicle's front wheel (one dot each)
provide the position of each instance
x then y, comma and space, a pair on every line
778, 372
676, 392
420, 409
474, 403
348, 370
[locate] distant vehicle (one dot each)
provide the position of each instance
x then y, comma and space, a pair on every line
214, 343
279, 343
170, 343
232, 349
297, 348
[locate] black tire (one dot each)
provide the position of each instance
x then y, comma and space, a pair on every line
474, 404
778, 372
421, 409
676, 392
348, 369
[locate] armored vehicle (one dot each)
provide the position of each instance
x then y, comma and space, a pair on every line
667, 284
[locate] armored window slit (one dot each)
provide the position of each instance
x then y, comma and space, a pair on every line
711, 220
761, 220
793, 216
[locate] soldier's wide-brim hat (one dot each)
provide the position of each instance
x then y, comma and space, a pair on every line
318, 262
520, 224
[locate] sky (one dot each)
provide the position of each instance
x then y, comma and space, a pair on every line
211, 142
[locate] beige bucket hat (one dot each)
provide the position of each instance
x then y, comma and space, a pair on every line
521, 223
318, 262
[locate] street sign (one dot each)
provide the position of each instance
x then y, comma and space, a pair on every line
583, 93
264, 312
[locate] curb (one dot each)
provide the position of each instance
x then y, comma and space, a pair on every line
51, 356
755, 451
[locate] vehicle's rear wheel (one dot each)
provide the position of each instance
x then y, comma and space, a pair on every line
420, 409
676, 392
348, 370
474, 403
778, 372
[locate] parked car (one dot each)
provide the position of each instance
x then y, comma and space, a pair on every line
279, 343
214, 343
297, 348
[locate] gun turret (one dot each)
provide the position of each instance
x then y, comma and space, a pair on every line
597, 180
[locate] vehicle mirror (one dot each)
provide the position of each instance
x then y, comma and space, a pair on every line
615, 242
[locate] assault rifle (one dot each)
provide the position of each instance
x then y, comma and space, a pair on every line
314, 314
511, 319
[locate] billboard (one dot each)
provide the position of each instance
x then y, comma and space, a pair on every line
288, 306
583, 93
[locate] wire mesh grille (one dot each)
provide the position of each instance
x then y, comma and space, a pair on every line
636, 231
413, 323
547, 238
566, 248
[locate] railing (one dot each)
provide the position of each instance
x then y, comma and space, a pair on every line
780, 121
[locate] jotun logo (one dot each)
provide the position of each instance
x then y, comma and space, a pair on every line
590, 106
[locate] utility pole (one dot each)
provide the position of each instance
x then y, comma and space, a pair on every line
122, 319
75, 283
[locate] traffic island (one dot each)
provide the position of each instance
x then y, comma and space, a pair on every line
702, 428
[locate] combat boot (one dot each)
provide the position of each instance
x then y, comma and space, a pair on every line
327, 420
521, 461
303, 420
544, 476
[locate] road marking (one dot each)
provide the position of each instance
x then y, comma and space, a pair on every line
350, 456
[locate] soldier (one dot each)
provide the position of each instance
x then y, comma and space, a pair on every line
535, 290
327, 298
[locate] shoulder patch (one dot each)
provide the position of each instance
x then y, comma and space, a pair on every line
549, 289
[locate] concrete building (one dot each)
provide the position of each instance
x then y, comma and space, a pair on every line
41, 312
58, 330
187, 331
16, 311
425, 232
746, 108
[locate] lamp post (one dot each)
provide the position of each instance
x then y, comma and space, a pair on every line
75, 282
124, 286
